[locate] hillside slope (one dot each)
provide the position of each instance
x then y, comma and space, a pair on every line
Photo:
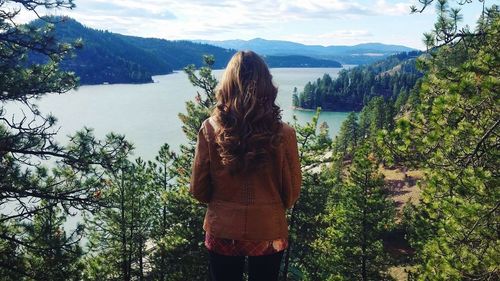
108, 57
354, 88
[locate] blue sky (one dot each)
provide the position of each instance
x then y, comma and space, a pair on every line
322, 22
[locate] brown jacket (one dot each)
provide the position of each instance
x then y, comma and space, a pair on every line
248, 206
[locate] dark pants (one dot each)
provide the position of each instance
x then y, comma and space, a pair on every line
230, 268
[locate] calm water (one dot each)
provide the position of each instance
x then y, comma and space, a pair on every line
147, 114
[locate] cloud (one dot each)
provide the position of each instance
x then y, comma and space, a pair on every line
336, 37
346, 34
124, 9
397, 9
343, 9
192, 18
323, 9
317, 21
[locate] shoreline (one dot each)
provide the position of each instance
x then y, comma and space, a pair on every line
298, 108
181, 70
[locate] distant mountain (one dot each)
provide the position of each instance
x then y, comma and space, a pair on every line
115, 58
108, 57
357, 54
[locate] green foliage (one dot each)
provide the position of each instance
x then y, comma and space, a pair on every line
115, 58
299, 61
32, 241
453, 134
199, 109
378, 114
52, 255
162, 176
144, 225
119, 232
12, 267
150, 227
180, 253
353, 88
349, 135
305, 217
359, 214
185, 254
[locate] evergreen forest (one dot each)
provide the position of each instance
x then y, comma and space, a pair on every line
102, 57
355, 87
408, 190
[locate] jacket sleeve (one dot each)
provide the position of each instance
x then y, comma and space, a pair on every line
201, 186
292, 175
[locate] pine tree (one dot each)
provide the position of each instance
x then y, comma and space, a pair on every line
305, 217
349, 135
120, 231
163, 176
181, 253
453, 135
52, 255
359, 214
27, 140
376, 115
295, 98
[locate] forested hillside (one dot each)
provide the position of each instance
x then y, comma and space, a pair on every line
137, 220
353, 88
106, 57
413, 185
299, 61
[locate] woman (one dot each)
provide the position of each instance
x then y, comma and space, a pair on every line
246, 168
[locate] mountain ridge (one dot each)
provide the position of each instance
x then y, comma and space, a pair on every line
356, 54
108, 57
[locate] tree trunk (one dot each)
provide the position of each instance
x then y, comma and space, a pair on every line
123, 229
163, 227
141, 263
131, 239
364, 274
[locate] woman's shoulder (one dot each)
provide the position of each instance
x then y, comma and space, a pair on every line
210, 124
286, 129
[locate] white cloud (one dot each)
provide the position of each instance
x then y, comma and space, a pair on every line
346, 34
225, 19
176, 19
397, 9
336, 37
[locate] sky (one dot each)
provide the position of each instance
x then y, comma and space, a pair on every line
311, 22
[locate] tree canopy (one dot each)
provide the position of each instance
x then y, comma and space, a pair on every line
353, 88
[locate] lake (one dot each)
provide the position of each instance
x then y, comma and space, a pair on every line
147, 113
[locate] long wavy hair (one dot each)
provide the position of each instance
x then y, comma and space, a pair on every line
249, 120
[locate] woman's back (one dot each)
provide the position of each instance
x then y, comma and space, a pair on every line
246, 167
248, 205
